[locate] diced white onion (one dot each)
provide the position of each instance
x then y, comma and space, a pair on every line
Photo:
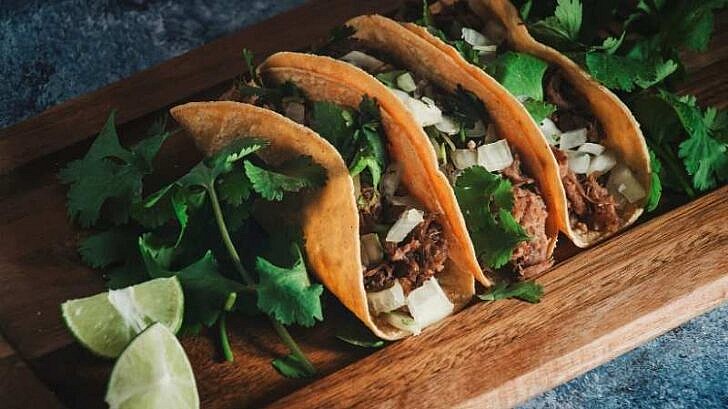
622, 180
572, 139
491, 135
403, 322
495, 156
404, 225
362, 60
403, 96
464, 158
387, 300
371, 249
448, 125
295, 111
390, 180
406, 83
474, 37
424, 111
578, 162
476, 131
550, 131
592, 148
428, 304
602, 163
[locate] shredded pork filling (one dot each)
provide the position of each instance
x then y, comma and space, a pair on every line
591, 205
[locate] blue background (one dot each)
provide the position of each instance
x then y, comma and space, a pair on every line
58, 49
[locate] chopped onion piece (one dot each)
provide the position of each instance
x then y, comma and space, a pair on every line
362, 60
485, 49
387, 300
424, 111
404, 225
593, 148
428, 304
406, 83
295, 111
578, 162
464, 158
371, 249
474, 37
602, 163
495, 156
550, 131
403, 96
406, 201
403, 322
476, 131
448, 125
622, 179
490, 134
572, 139
390, 180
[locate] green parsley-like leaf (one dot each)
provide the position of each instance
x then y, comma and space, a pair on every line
234, 187
89, 178
521, 74
565, 23
539, 110
486, 201
109, 247
653, 198
624, 73
286, 294
291, 367
528, 291
292, 176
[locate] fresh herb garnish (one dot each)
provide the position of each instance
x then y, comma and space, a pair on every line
356, 134
187, 230
486, 200
528, 291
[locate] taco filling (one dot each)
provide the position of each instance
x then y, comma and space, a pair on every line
403, 247
600, 189
507, 216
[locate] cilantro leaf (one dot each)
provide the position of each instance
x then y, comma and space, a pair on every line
528, 291
336, 125
355, 333
107, 161
624, 73
653, 198
234, 187
389, 78
521, 74
291, 366
539, 110
486, 201
286, 294
109, 247
292, 176
565, 24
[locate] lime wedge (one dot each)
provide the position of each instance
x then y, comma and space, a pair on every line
106, 322
153, 372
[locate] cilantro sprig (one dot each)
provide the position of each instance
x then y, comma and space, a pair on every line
192, 228
528, 291
486, 200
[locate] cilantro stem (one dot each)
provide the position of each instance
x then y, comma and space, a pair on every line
292, 346
226, 236
225, 342
668, 158
279, 328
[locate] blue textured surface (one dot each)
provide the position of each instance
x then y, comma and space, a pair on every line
54, 50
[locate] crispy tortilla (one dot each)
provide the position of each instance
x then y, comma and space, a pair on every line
622, 133
430, 58
327, 79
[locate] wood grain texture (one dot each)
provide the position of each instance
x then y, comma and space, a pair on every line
161, 85
642, 283
19, 387
599, 304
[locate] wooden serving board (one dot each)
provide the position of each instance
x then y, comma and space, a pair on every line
600, 303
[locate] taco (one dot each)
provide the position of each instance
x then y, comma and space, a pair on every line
602, 155
385, 234
484, 141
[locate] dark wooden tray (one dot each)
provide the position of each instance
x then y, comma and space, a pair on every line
600, 302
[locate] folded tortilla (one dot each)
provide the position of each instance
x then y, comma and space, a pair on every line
622, 134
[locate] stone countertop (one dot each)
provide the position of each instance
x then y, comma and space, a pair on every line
55, 50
